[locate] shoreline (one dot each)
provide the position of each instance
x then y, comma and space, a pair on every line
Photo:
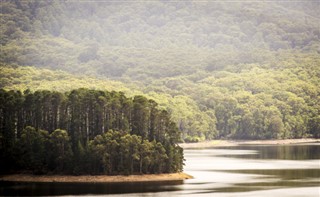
95, 178
226, 143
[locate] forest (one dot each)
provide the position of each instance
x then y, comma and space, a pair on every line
222, 70
86, 132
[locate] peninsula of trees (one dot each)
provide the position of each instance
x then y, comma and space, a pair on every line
86, 132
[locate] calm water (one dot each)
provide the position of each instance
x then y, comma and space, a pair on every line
233, 171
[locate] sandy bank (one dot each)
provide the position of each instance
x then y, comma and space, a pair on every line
219, 143
96, 179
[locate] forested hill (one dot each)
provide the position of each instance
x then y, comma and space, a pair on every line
236, 69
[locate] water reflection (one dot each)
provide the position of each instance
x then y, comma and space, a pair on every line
285, 152
255, 171
285, 174
44, 189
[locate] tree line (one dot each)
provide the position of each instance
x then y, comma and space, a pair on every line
86, 132
277, 105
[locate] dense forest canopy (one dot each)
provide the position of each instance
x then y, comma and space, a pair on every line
222, 69
86, 132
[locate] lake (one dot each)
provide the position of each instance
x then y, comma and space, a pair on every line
250, 170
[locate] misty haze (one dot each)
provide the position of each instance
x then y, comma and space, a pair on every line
153, 90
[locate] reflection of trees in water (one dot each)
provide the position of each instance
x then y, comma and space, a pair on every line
285, 152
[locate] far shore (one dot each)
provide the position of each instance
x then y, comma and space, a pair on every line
225, 143
95, 178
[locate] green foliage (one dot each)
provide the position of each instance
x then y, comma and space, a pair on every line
32, 145
87, 132
61, 151
23, 78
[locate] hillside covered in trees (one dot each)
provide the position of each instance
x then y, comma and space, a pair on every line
86, 132
246, 70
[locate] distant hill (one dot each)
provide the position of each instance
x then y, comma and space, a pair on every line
223, 69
